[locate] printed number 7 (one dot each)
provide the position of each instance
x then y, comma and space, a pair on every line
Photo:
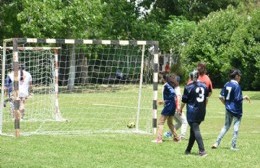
229, 91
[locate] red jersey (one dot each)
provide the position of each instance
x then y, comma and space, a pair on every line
205, 79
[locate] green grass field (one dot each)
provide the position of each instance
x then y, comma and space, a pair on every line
135, 150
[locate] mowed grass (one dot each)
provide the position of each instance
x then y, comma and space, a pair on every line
135, 150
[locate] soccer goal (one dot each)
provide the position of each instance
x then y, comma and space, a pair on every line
81, 86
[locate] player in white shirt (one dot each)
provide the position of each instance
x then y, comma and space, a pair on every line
25, 86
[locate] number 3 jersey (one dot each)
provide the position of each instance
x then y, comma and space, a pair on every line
232, 94
195, 96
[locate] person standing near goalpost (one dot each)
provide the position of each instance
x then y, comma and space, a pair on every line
25, 86
180, 118
231, 96
8, 88
168, 111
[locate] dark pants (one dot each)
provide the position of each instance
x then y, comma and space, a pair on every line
195, 135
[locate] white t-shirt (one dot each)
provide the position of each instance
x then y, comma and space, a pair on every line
24, 84
178, 94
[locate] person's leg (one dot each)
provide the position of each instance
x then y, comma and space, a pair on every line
178, 124
191, 140
22, 101
11, 108
198, 137
172, 128
184, 125
237, 122
228, 121
160, 129
177, 119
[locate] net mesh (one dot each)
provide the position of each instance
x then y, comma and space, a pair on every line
99, 89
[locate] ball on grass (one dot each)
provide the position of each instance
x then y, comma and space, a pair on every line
131, 125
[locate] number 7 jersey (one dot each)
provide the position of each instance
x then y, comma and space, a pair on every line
232, 94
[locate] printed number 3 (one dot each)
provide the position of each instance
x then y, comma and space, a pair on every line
200, 91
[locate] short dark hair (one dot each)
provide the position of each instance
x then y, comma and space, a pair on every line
171, 79
234, 72
164, 77
201, 68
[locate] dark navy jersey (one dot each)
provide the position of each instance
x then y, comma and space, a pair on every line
8, 84
232, 94
195, 96
169, 96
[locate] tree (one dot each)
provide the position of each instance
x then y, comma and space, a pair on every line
225, 39
9, 25
190, 9
65, 19
174, 37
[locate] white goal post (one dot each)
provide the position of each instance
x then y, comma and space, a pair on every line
89, 86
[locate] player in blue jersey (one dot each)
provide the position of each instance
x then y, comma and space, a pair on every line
169, 97
196, 97
231, 96
8, 88
180, 118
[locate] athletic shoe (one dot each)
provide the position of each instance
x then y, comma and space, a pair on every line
158, 141
203, 153
168, 134
187, 152
183, 138
214, 146
177, 139
234, 149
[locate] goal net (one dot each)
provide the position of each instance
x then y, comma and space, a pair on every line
83, 86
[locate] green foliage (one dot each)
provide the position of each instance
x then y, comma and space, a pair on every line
119, 19
176, 34
52, 19
192, 10
223, 40
225, 36
9, 25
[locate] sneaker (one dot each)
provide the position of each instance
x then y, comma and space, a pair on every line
168, 134
157, 141
234, 149
177, 139
187, 152
203, 153
214, 146
183, 138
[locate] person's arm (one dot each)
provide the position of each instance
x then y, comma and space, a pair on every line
181, 108
160, 102
30, 88
222, 99
210, 93
178, 99
247, 98
184, 100
30, 85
